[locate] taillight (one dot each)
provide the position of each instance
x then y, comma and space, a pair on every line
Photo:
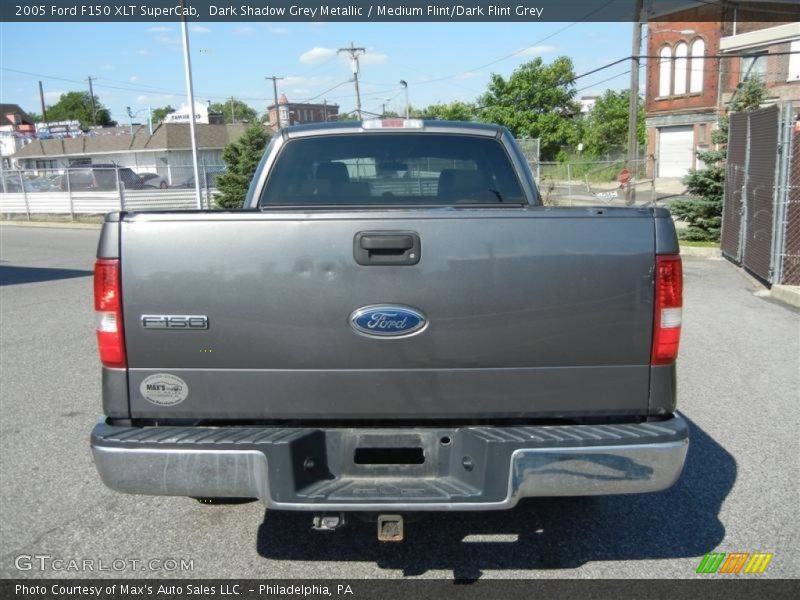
668, 308
108, 312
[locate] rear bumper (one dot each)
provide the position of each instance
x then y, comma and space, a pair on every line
464, 468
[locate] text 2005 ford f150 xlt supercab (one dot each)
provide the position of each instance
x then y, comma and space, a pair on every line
394, 323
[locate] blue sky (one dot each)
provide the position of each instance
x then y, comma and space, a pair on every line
140, 64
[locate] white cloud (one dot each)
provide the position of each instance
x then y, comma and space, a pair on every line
536, 50
278, 30
317, 55
143, 52
373, 58
159, 29
246, 30
199, 29
133, 78
108, 67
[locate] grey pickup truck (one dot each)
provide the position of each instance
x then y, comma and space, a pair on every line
394, 323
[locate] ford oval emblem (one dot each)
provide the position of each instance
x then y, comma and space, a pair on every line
388, 321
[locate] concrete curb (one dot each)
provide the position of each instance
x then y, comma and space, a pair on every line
788, 294
701, 251
51, 224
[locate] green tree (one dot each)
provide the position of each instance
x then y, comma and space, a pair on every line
242, 157
453, 111
537, 100
605, 128
703, 213
159, 114
351, 116
77, 106
235, 111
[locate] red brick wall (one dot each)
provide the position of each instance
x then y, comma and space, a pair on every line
668, 33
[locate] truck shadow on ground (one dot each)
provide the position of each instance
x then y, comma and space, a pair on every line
10, 275
540, 533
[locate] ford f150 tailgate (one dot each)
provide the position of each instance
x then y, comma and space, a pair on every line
518, 312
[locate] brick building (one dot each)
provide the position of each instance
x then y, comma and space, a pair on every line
294, 113
698, 67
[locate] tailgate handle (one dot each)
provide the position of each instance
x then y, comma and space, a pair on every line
372, 248
386, 242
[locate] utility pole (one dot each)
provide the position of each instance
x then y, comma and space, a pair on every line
633, 116
41, 99
354, 54
91, 96
275, 95
404, 83
233, 111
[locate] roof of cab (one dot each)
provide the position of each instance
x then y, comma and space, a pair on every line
464, 127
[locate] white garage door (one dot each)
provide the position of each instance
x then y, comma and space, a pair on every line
675, 151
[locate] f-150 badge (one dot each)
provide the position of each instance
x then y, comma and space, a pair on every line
388, 321
174, 322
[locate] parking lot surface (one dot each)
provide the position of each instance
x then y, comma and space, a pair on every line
739, 387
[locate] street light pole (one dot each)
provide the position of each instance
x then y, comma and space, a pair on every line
404, 83
633, 116
187, 67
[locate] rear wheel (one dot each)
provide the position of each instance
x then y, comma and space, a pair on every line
163, 185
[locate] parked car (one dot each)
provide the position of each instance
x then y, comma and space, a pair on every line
31, 184
437, 341
210, 179
153, 180
100, 177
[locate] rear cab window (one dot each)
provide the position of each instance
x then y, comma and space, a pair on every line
427, 169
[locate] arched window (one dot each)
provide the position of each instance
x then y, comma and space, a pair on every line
681, 50
664, 71
698, 63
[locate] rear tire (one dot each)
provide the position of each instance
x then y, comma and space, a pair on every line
163, 185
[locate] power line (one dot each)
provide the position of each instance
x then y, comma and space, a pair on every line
521, 50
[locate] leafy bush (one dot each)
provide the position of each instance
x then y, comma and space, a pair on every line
704, 213
242, 158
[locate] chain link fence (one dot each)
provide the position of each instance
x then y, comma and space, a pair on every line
530, 148
588, 183
95, 190
788, 244
761, 207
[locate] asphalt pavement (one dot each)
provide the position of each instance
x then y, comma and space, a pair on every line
739, 386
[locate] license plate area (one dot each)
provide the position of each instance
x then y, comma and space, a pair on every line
389, 456
391, 453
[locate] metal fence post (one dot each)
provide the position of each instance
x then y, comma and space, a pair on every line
120, 189
781, 194
569, 182
743, 198
24, 194
205, 186
69, 195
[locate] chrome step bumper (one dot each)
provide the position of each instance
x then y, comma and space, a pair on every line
464, 468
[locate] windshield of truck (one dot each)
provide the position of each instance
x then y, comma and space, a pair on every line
396, 168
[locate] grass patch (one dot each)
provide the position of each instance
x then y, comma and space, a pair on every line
699, 244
